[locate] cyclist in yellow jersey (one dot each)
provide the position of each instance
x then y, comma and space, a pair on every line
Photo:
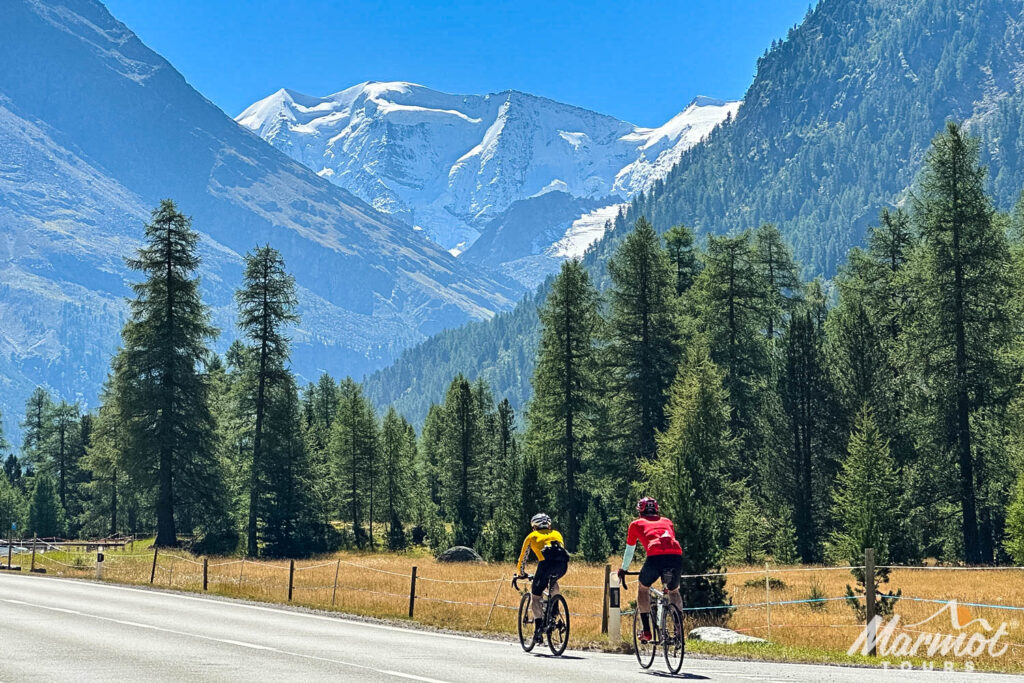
549, 548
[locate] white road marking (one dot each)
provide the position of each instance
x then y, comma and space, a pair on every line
238, 643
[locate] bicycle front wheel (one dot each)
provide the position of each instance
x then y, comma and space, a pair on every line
644, 651
674, 642
525, 628
558, 625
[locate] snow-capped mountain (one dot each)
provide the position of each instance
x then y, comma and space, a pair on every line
451, 164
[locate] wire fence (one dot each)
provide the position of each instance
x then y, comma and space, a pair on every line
817, 606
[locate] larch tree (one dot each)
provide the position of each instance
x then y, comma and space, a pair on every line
159, 390
266, 307
565, 390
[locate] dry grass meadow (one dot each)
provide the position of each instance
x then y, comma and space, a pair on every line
479, 597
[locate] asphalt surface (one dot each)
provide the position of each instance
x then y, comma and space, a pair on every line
69, 630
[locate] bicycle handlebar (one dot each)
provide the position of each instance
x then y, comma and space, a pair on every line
515, 580
622, 578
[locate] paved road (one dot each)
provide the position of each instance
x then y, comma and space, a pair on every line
65, 630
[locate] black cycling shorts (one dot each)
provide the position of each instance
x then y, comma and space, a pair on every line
547, 570
668, 568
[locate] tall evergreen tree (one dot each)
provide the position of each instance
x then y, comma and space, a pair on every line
35, 425
643, 339
45, 517
774, 263
12, 507
682, 254
266, 305
960, 327
689, 475
160, 393
353, 445
460, 458
565, 388
58, 454
397, 450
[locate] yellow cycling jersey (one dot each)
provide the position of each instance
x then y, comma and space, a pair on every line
537, 541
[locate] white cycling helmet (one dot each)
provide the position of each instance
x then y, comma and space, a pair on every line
540, 521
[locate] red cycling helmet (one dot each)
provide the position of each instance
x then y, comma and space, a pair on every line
647, 506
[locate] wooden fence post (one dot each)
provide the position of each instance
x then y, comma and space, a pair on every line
869, 598
412, 593
291, 579
206, 572
152, 573
334, 594
768, 600
604, 598
33, 567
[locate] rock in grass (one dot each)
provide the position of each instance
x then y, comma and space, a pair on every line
459, 553
726, 636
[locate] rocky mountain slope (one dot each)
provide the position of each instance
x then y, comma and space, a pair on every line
95, 129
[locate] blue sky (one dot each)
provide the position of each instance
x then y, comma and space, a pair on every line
640, 61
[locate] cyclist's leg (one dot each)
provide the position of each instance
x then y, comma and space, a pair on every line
540, 583
557, 572
670, 579
649, 573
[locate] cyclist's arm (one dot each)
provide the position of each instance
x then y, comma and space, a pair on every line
523, 554
627, 557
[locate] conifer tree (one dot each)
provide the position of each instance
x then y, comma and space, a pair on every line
266, 305
689, 477
461, 445
58, 454
643, 339
565, 389
45, 517
34, 426
12, 469
594, 543
1014, 540
748, 533
866, 487
159, 391
961, 325
682, 254
773, 261
353, 445
12, 506
397, 450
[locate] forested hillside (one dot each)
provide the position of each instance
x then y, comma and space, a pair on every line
834, 126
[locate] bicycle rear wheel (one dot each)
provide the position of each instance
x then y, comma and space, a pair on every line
557, 625
644, 651
525, 630
674, 642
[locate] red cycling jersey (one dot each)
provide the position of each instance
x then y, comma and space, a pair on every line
657, 534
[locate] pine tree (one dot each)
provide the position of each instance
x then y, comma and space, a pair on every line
57, 455
353, 446
643, 339
12, 469
160, 393
45, 517
12, 506
594, 542
689, 477
807, 400
461, 446
1014, 540
565, 385
865, 489
960, 327
266, 305
777, 271
748, 533
34, 426
729, 297
397, 450
682, 254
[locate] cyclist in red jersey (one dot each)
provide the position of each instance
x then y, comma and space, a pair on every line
664, 558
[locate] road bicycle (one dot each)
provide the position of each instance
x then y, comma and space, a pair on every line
666, 631
556, 617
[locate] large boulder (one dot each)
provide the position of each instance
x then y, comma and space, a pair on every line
726, 636
459, 553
